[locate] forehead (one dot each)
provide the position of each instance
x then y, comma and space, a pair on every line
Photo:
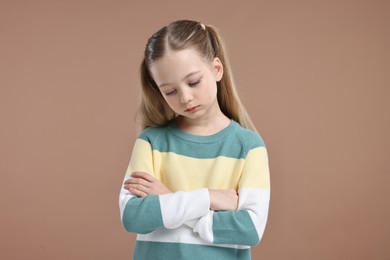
175, 65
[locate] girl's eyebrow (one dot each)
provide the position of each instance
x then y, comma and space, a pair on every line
188, 75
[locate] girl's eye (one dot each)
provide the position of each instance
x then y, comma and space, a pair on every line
170, 92
193, 84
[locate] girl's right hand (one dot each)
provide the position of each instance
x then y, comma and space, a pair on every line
223, 199
142, 184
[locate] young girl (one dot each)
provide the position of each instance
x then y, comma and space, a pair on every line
197, 185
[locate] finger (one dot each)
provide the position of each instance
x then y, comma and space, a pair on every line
139, 181
137, 192
143, 175
135, 179
139, 187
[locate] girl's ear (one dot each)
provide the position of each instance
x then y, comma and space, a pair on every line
218, 69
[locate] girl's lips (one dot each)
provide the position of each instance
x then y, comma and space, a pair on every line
192, 109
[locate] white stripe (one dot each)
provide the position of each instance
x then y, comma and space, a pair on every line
179, 207
183, 234
124, 197
256, 201
204, 227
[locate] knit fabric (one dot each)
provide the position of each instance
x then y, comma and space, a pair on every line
181, 225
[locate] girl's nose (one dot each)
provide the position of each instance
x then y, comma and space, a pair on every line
185, 96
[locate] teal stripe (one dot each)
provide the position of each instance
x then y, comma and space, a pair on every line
234, 227
233, 142
145, 250
142, 215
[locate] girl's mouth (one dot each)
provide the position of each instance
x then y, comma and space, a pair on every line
192, 109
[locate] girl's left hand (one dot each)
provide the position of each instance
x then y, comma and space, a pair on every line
142, 184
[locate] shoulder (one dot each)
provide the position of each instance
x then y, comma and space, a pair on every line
248, 137
152, 133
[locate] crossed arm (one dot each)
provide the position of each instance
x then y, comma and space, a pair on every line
217, 215
142, 184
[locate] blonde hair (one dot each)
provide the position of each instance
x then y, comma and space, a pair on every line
205, 39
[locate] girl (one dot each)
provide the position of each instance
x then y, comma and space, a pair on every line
197, 185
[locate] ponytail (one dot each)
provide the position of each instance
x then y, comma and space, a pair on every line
228, 98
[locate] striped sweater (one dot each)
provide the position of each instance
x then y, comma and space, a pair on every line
181, 225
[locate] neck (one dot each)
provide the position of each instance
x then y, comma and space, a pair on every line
203, 126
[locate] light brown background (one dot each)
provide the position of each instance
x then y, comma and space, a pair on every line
313, 74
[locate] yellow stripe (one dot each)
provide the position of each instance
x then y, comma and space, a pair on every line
256, 170
185, 173
141, 158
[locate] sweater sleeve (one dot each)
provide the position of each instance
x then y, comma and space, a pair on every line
144, 215
246, 225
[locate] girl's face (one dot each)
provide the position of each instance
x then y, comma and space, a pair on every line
188, 83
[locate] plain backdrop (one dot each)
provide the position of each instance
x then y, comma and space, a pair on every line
314, 75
